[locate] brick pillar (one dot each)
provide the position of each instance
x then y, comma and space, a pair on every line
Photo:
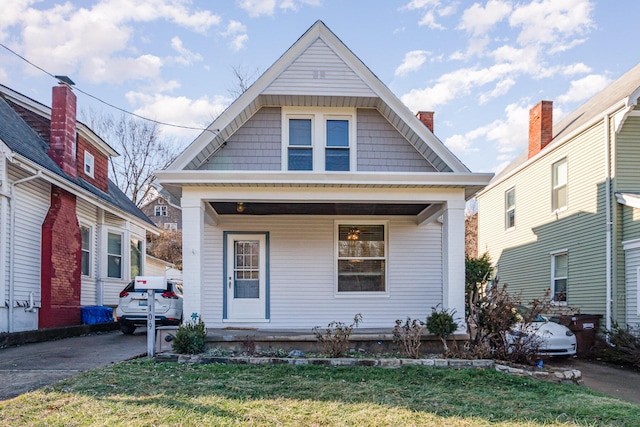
60, 264
540, 127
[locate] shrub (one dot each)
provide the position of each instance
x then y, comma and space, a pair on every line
442, 324
335, 338
407, 337
622, 346
191, 337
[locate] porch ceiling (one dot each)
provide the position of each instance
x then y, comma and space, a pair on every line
360, 209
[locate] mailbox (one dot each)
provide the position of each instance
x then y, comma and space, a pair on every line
144, 283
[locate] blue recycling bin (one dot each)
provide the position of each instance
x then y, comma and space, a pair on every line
94, 314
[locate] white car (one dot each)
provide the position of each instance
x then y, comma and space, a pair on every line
132, 307
552, 339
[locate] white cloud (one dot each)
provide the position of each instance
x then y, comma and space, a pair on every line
268, 7
507, 135
578, 68
429, 19
413, 60
238, 34
478, 20
98, 41
179, 110
185, 57
501, 88
430, 8
584, 88
551, 22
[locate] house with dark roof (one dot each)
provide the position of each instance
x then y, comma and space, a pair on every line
317, 195
70, 237
163, 213
565, 215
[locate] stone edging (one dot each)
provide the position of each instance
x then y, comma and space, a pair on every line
568, 376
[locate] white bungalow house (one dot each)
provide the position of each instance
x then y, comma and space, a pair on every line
318, 195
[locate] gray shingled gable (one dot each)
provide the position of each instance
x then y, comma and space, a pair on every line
22, 139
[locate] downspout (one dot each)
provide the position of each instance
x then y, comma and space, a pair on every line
609, 223
12, 207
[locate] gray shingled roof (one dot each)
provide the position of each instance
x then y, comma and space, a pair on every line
594, 107
22, 139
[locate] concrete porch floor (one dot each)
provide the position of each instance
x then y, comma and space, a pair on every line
372, 340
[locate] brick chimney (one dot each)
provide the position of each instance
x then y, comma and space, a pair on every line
540, 127
62, 143
426, 117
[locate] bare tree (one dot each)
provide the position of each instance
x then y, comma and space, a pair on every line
142, 151
167, 246
244, 78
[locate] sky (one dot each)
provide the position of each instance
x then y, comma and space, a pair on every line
480, 66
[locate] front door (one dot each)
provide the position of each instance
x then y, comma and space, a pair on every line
246, 277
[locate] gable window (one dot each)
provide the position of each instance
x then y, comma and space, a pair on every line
559, 197
161, 210
559, 276
88, 164
114, 255
136, 257
510, 208
300, 146
321, 139
337, 149
362, 257
85, 264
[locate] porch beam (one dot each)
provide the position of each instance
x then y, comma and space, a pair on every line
193, 213
430, 214
453, 254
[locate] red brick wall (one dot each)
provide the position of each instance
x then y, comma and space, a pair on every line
426, 117
100, 165
61, 258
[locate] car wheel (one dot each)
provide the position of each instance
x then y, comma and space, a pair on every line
127, 328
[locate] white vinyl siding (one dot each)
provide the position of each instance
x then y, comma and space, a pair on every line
632, 282
319, 71
31, 203
302, 293
522, 255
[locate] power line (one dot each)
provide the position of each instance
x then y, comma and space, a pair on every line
107, 103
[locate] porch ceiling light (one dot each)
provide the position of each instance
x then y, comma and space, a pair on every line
240, 207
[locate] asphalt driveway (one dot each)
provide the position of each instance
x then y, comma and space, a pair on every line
28, 367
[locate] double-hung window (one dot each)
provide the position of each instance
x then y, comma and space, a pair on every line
362, 257
510, 208
300, 151
114, 255
321, 139
559, 180
88, 164
161, 210
85, 264
559, 276
337, 145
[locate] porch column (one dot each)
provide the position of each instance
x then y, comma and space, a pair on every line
453, 255
192, 242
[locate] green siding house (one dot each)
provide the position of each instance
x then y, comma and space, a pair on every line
565, 215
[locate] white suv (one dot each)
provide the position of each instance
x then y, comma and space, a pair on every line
132, 307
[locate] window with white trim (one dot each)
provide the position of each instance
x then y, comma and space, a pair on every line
170, 225
559, 276
318, 139
85, 264
160, 210
510, 209
559, 180
361, 257
114, 255
88, 164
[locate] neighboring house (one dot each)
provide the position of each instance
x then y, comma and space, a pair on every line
163, 214
70, 237
565, 215
318, 195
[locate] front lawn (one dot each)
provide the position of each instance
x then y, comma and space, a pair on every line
145, 393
